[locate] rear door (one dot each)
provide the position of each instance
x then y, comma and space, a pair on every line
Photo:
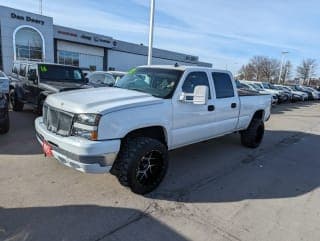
227, 106
192, 123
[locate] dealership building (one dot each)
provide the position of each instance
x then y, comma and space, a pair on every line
33, 37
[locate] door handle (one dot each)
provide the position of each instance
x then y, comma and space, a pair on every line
234, 105
210, 107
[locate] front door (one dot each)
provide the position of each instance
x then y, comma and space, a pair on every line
192, 123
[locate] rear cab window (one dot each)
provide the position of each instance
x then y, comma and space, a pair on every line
223, 85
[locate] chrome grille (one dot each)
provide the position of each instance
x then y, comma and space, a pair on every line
57, 121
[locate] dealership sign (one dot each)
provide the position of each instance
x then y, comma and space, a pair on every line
27, 19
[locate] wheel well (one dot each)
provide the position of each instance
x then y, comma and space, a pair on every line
258, 115
155, 132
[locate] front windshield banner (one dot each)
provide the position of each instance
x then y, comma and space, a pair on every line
155, 81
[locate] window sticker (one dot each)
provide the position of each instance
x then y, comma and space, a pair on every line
43, 69
132, 71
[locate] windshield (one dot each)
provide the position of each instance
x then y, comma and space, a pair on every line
286, 88
157, 82
2, 75
60, 73
257, 86
266, 85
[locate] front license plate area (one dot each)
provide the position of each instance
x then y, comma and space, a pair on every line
47, 149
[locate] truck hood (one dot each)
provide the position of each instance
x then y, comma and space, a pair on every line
100, 100
54, 86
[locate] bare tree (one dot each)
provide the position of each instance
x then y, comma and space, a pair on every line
306, 70
270, 69
247, 72
260, 68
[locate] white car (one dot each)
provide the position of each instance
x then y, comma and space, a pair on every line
315, 93
296, 94
260, 89
129, 129
117, 74
101, 79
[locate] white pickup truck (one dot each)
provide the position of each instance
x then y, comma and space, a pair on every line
129, 128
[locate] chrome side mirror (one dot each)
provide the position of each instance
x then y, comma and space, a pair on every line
200, 96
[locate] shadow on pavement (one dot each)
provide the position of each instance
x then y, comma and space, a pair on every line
286, 165
21, 139
280, 109
77, 223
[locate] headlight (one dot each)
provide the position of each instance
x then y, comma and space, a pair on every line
86, 126
88, 119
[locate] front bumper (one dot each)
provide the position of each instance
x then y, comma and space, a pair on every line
80, 154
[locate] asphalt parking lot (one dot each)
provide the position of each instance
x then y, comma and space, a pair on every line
215, 190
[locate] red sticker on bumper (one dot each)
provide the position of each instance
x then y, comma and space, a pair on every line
47, 150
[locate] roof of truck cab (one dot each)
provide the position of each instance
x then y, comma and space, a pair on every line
182, 67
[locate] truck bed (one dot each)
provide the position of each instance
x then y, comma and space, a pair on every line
243, 92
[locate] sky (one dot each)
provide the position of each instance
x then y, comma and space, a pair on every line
226, 33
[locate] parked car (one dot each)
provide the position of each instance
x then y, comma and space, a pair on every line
32, 82
302, 89
315, 93
4, 103
117, 74
282, 95
258, 88
86, 72
129, 129
101, 79
296, 95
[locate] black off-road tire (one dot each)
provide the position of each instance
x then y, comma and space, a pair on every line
6, 126
16, 104
252, 137
40, 106
132, 153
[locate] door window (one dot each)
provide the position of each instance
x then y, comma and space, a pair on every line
223, 85
32, 73
195, 79
22, 71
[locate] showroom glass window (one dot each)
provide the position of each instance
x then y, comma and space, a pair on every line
28, 44
68, 58
1, 64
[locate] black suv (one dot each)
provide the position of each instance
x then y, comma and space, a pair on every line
32, 82
4, 109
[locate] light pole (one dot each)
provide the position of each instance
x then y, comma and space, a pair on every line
281, 67
40, 7
152, 7
309, 74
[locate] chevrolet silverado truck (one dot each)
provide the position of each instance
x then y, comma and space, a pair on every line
32, 82
128, 129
